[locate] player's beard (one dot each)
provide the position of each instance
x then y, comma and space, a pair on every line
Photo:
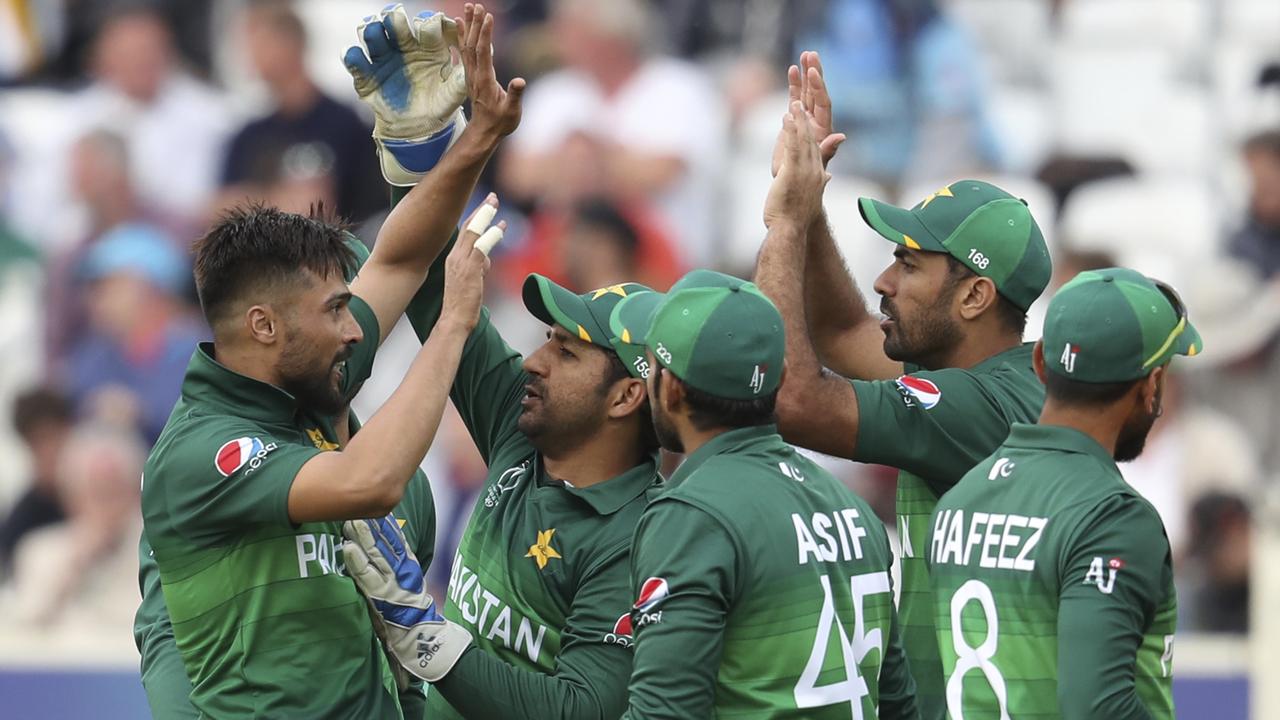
923, 339
312, 381
557, 425
1133, 435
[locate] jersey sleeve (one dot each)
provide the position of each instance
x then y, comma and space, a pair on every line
935, 425
164, 677
683, 598
1111, 585
897, 687
490, 382
218, 477
592, 667
360, 364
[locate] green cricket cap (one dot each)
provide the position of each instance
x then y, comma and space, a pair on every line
586, 316
717, 333
988, 230
1115, 325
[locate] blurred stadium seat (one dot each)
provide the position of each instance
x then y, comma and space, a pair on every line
1176, 26
1014, 33
1175, 218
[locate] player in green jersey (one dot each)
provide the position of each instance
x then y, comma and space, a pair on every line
248, 561
1053, 582
933, 387
762, 583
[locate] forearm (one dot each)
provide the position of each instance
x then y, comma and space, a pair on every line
424, 218
780, 273
482, 686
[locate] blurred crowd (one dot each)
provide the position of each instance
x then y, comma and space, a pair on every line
1140, 133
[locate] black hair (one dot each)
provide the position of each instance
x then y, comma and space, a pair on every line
615, 370
255, 248
709, 412
1074, 393
604, 215
39, 407
1011, 316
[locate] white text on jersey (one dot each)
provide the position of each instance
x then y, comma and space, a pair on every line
996, 547
814, 537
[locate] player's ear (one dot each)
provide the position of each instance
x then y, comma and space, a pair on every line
1037, 360
1153, 391
263, 324
979, 295
628, 397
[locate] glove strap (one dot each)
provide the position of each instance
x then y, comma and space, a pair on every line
411, 159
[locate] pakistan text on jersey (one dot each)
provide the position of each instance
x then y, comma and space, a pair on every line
1009, 548
319, 554
815, 540
477, 605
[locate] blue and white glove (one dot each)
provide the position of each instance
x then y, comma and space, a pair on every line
388, 573
403, 71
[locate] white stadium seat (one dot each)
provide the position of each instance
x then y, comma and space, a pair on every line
1178, 26
1012, 33
1174, 218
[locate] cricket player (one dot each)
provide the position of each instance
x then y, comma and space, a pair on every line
933, 387
1053, 579
253, 539
762, 583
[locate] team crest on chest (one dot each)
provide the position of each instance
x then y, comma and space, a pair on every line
318, 439
541, 551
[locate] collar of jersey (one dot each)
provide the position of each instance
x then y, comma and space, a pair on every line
1056, 437
210, 382
728, 442
613, 494
1018, 354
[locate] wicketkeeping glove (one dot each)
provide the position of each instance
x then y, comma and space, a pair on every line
388, 573
416, 92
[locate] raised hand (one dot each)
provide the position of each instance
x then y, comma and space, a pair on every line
795, 197
404, 72
492, 107
468, 262
806, 85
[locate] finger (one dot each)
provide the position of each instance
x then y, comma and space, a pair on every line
396, 23
362, 534
375, 40
390, 529
491, 237
485, 46
515, 90
793, 83
830, 144
357, 63
806, 92
482, 217
821, 98
354, 559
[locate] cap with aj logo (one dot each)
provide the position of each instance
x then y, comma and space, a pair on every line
717, 333
988, 230
1115, 325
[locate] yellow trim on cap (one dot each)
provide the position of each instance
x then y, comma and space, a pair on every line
1193, 350
582, 333
909, 242
626, 336
1173, 335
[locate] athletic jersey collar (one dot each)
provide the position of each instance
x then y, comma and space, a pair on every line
725, 443
1018, 355
613, 494
209, 382
1056, 438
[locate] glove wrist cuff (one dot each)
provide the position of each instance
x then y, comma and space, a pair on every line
405, 161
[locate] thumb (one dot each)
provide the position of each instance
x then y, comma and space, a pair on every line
515, 89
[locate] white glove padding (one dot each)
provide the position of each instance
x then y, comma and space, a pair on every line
387, 572
415, 91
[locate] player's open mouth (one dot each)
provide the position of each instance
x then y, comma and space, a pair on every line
529, 395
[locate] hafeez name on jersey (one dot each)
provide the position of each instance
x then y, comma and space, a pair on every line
1002, 540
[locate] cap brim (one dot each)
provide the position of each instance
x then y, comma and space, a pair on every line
632, 316
556, 305
1189, 342
898, 225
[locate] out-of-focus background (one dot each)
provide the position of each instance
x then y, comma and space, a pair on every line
1141, 132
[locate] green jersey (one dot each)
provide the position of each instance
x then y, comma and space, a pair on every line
763, 589
1053, 586
934, 426
265, 620
540, 577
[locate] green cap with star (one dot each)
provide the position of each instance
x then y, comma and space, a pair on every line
717, 333
1115, 325
988, 230
586, 316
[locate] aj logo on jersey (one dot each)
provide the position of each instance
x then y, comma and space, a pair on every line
919, 391
1097, 575
1068, 359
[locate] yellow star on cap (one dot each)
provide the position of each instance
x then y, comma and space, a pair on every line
542, 551
615, 289
944, 192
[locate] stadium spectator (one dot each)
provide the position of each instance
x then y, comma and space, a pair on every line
42, 418
174, 125
78, 578
1214, 588
100, 182
1258, 241
304, 123
619, 119
141, 334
